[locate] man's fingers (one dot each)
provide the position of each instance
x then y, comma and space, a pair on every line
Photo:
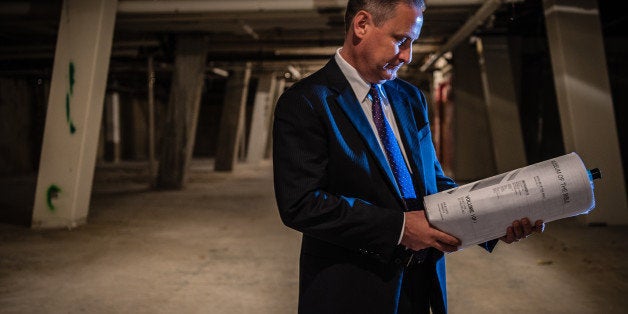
510, 235
516, 228
443, 247
445, 238
522, 229
527, 227
444, 242
418, 234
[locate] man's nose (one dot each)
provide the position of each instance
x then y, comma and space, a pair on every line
406, 55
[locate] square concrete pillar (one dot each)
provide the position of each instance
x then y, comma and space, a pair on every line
584, 100
279, 89
233, 118
74, 115
501, 103
473, 148
182, 112
260, 120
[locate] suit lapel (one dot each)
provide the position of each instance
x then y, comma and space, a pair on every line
408, 129
347, 100
349, 104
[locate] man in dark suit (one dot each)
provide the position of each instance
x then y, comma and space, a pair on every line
367, 246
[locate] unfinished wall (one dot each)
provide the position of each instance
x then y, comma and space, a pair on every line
17, 99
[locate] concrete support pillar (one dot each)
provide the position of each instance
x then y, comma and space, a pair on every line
260, 125
139, 125
279, 88
501, 103
233, 119
584, 101
101, 150
182, 113
472, 147
151, 119
112, 118
74, 115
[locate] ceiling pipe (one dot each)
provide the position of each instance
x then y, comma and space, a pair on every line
330, 50
220, 72
488, 8
249, 30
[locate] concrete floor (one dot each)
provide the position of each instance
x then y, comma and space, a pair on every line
219, 247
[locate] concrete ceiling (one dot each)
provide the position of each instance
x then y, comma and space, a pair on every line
240, 30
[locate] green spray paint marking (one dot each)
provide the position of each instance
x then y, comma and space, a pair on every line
53, 192
72, 70
67, 98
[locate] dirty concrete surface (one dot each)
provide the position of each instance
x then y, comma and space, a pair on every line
218, 246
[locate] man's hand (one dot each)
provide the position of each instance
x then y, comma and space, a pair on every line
418, 234
522, 229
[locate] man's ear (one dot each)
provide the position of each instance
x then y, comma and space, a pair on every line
361, 23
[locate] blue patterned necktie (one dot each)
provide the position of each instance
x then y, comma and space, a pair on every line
391, 148
398, 166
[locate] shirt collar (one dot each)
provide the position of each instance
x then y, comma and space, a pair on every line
360, 86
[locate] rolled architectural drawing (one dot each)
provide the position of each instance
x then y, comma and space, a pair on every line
480, 211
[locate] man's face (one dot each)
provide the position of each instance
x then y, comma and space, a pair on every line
389, 46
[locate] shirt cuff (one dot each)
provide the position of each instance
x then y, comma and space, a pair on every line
403, 226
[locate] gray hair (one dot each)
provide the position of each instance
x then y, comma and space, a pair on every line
381, 10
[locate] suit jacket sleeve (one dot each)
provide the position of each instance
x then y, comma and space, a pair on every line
300, 158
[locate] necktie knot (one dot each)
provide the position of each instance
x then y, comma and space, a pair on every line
374, 93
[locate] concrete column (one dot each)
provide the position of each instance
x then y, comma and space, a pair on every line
501, 103
473, 148
182, 112
102, 150
233, 119
258, 134
112, 117
74, 113
151, 119
584, 101
279, 88
139, 125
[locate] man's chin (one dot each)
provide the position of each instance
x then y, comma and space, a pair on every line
386, 75
389, 75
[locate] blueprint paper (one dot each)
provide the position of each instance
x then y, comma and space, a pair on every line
480, 211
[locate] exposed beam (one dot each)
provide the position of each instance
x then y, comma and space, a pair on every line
161, 7
488, 8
